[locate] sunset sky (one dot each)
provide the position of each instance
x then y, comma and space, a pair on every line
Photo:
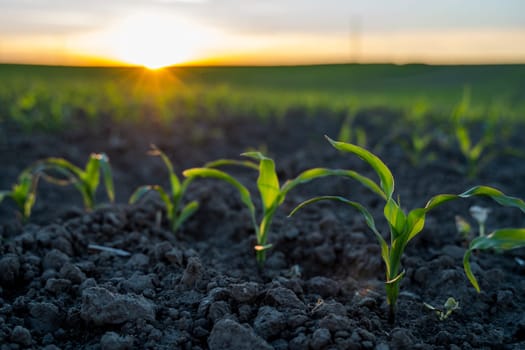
164, 32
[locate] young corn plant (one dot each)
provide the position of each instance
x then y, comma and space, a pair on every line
448, 308
175, 213
85, 180
23, 193
416, 148
272, 194
403, 226
477, 154
498, 240
349, 133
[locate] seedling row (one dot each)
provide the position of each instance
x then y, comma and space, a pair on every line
403, 226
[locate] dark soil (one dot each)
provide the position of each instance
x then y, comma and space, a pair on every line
322, 285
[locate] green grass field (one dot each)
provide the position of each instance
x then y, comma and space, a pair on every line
49, 97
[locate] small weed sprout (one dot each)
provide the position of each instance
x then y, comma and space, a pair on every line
272, 194
404, 226
449, 307
85, 180
175, 213
23, 193
463, 227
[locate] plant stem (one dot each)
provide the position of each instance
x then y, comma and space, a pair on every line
391, 314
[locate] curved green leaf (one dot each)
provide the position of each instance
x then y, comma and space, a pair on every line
107, 176
468, 270
268, 183
217, 174
174, 180
496, 195
185, 213
139, 193
502, 239
91, 176
165, 197
415, 222
62, 165
384, 173
227, 162
396, 218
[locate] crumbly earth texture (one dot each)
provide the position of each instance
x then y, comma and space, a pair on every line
201, 288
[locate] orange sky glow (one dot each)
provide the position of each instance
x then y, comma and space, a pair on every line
156, 37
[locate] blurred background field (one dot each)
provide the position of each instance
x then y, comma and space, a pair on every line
53, 97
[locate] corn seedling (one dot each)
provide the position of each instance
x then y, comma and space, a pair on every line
415, 148
175, 213
463, 227
272, 194
477, 154
23, 193
499, 240
449, 307
403, 226
351, 133
85, 180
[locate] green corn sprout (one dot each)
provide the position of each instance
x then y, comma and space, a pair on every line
403, 226
449, 307
415, 148
502, 239
23, 193
463, 227
85, 180
272, 194
475, 153
349, 133
172, 200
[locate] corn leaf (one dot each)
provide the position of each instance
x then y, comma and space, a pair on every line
268, 182
217, 174
139, 193
463, 139
396, 218
174, 180
91, 176
416, 218
107, 176
415, 222
28, 205
496, 195
185, 213
227, 162
385, 176
62, 165
165, 197
503, 239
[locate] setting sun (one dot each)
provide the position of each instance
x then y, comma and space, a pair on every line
155, 41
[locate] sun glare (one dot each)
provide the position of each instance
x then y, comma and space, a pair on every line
155, 40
